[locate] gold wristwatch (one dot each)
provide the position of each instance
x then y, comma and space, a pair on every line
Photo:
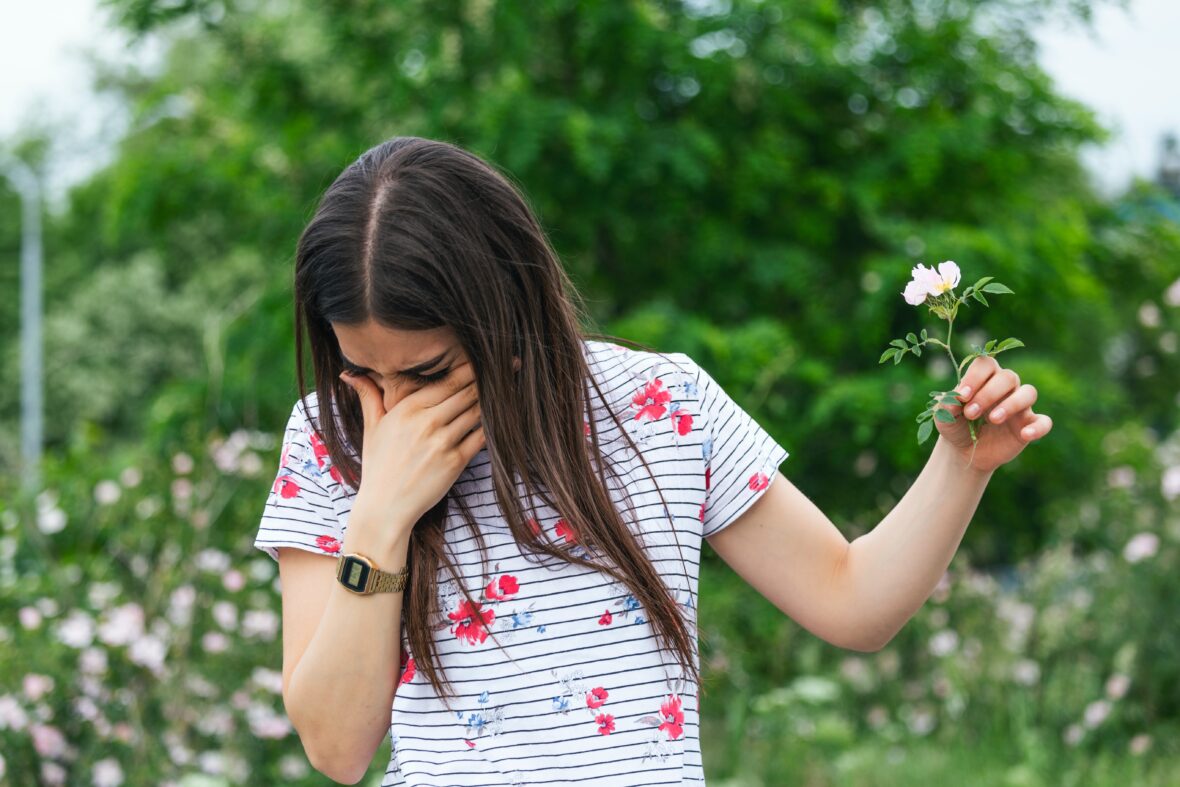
360, 574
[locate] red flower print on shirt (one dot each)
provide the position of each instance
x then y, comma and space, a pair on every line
587, 425
708, 476
318, 447
596, 697
683, 421
285, 487
471, 623
332, 471
327, 543
650, 400
702, 514
606, 619
408, 673
562, 529
534, 526
759, 481
673, 717
606, 723
502, 588
470, 744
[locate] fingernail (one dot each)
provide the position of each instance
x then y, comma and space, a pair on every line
972, 409
965, 392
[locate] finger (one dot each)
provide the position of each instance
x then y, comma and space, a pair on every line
997, 387
372, 403
462, 375
1023, 399
977, 375
1036, 428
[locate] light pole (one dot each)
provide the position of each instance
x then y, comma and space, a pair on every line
31, 423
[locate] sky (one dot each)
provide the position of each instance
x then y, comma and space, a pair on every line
1120, 70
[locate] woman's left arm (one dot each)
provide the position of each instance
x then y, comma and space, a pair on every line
858, 595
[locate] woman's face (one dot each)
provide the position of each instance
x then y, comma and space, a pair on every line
399, 362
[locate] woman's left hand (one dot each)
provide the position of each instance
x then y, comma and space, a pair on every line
1002, 411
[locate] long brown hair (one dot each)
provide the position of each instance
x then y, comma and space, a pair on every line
419, 234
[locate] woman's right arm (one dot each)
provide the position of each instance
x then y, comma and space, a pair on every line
341, 652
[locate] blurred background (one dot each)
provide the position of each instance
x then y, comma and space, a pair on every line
748, 182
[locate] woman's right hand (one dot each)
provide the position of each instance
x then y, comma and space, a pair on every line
413, 453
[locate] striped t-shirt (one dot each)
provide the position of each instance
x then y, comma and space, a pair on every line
580, 694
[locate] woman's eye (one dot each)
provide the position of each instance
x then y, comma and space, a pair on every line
432, 378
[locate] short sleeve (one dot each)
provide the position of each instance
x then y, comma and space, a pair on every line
299, 510
741, 458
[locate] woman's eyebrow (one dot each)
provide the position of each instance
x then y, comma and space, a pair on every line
416, 369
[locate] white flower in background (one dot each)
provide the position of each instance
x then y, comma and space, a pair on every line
1172, 294
182, 463
48, 740
76, 630
180, 607
3, 766
921, 721
37, 685
226, 615
53, 774
293, 767
261, 569
1026, 672
216, 721
1117, 685
1096, 713
182, 489
93, 661
230, 455
944, 642
47, 606
233, 580
180, 754
107, 492
268, 679
1140, 547
265, 723
200, 686
12, 713
1140, 744
1121, 477
130, 477
261, 623
214, 642
1170, 483
1073, 735
30, 617
148, 651
51, 520
85, 707
100, 594
213, 560
927, 281
250, 465
148, 506
107, 773
122, 625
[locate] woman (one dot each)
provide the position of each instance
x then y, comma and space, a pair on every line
513, 512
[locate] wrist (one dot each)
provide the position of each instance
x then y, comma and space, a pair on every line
383, 540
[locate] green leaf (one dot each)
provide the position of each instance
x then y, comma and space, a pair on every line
1008, 344
924, 431
925, 415
924, 334
944, 416
911, 338
897, 358
885, 356
900, 343
916, 350
998, 288
980, 298
979, 284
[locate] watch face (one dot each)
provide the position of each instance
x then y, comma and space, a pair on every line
355, 574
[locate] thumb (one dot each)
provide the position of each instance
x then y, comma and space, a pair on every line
370, 400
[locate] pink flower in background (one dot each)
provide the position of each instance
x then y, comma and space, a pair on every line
1140, 547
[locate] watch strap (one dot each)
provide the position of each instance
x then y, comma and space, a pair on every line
375, 580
